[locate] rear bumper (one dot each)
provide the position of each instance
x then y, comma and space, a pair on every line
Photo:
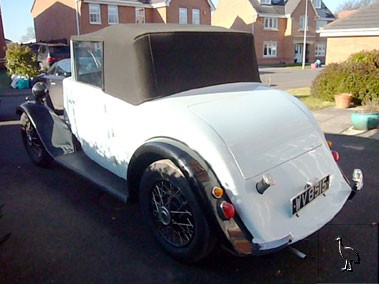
243, 246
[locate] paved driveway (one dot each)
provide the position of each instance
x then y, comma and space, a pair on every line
285, 78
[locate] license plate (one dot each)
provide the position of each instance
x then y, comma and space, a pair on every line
310, 192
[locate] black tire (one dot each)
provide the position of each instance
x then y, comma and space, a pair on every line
173, 214
33, 144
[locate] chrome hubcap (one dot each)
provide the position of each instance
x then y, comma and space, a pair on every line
172, 214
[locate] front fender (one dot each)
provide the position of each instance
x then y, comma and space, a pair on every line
201, 179
54, 134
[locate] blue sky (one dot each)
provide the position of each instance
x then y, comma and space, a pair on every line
17, 18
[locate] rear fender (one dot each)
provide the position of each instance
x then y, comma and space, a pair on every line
54, 134
201, 178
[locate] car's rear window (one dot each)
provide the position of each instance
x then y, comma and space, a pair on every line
60, 50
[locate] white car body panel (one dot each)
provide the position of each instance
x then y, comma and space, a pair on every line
243, 130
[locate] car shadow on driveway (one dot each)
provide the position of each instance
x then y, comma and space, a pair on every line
65, 230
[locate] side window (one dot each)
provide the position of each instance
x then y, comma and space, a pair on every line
88, 61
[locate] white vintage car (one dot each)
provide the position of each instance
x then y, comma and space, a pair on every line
176, 116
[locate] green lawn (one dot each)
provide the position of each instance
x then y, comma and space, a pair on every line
304, 95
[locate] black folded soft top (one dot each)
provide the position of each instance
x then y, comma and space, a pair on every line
147, 61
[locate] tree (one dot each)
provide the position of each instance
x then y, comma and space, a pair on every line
21, 60
354, 4
29, 36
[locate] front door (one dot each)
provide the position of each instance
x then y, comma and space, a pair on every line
298, 53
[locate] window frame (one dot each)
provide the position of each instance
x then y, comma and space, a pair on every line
272, 23
317, 50
76, 74
97, 14
181, 20
113, 8
140, 15
302, 19
198, 18
317, 4
268, 45
318, 26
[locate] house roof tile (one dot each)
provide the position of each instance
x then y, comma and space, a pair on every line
364, 18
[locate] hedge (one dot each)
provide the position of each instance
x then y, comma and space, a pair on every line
358, 75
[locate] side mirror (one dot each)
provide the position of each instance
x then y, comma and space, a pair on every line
40, 91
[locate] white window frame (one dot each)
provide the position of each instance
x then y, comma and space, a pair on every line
140, 15
321, 23
95, 11
266, 2
196, 17
320, 49
301, 26
183, 16
317, 4
272, 49
271, 23
113, 15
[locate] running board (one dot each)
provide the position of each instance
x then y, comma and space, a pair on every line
85, 167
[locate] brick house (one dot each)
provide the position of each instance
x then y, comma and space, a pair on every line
2, 42
278, 27
56, 20
355, 32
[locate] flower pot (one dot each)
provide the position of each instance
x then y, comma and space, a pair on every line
364, 121
343, 100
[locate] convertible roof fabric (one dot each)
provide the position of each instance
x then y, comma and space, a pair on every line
147, 61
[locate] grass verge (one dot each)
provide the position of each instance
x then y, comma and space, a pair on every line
304, 95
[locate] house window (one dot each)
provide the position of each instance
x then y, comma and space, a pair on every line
112, 14
88, 62
183, 16
317, 4
267, 2
320, 49
140, 15
270, 49
94, 14
196, 16
320, 23
302, 23
270, 23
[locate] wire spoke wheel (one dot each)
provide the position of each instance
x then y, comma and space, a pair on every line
172, 214
33, 144
32, 141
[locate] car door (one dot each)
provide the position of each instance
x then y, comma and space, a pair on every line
88, 105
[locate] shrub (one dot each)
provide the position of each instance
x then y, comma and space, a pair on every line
20, 60
370, 57
358, 75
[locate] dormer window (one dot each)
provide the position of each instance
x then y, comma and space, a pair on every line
266, 2
317, 4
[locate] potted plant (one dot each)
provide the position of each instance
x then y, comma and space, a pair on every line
366, 117
343, 100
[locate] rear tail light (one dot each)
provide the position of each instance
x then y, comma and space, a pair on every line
336, 156
51, 59
226, 210
330, 144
